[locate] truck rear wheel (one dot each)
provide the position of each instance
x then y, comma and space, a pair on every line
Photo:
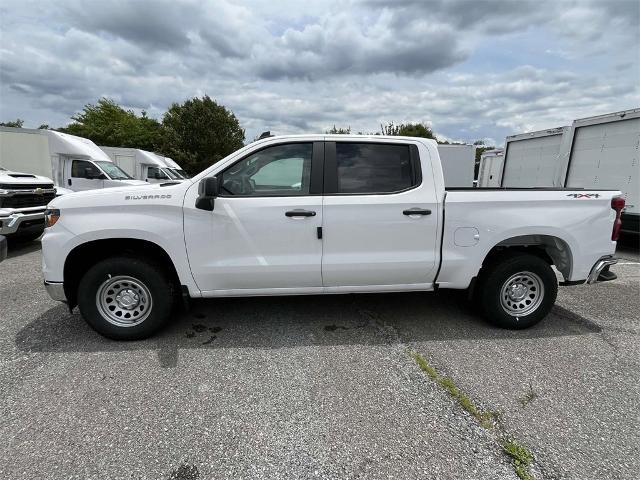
517, 291
126, 298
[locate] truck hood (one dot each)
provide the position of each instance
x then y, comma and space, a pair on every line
131, 182
17, 178
137, 193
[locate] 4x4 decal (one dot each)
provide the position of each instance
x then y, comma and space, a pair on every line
584, 195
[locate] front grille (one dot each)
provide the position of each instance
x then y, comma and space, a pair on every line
25, 186
26, 200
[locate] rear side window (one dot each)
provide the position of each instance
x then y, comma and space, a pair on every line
374, 168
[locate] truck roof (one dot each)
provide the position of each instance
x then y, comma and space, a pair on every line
341, 137
143, 156
64, 143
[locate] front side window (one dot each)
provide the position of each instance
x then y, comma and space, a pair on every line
373, 168
156, 173
281, 170
84, 169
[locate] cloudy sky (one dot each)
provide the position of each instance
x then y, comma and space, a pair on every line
472, 69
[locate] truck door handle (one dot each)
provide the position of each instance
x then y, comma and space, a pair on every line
300, 213
417, 211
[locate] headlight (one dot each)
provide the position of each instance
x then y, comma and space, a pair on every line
51, 216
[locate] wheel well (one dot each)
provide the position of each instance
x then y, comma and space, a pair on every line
553, 250
84, 256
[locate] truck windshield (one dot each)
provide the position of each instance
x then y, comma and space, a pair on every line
182, 173
171, 174
113, 171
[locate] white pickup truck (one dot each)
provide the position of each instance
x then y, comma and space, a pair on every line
318, 214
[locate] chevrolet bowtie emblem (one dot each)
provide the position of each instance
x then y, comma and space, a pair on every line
39, 191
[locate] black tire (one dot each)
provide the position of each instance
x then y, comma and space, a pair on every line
136, 275
524, 272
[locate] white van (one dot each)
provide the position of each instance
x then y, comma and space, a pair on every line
74, 163
142, 165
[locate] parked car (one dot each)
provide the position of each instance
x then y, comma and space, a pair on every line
23, 201
142, 165
316, 214
74, 163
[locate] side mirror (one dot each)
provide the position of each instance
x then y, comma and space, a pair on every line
208, 190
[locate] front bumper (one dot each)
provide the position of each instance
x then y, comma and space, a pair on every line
55, 290
10, 223
600, 271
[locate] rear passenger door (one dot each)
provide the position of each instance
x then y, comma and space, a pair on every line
379, 217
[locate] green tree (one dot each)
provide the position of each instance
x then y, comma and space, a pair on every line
199, 132
338, 131
408, 130
17, 123
107, 123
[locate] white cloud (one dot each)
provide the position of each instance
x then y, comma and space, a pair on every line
306, 67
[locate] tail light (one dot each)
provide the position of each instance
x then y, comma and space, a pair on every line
617, 203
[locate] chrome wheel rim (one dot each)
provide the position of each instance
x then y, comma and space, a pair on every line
522, 294
124, 301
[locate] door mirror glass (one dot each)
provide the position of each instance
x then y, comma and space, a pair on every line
208, 190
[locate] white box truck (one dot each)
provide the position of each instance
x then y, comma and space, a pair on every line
458, 162
532, 159
175, 168
604, 152
490, 169
594, 152
74, 163
141, 164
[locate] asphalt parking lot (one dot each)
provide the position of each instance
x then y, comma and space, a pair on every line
320, 387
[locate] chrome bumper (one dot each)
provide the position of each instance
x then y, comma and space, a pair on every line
11, 223
600, 265
56, 291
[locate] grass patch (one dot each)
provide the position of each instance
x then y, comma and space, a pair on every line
520, 456
486, 419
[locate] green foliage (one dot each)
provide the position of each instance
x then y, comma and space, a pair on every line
520, 456
338, 131
486, 419
408, 130
17, 123
107, 123
199, 132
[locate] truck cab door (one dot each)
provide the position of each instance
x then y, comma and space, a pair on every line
380, 214
83, 175
262, 236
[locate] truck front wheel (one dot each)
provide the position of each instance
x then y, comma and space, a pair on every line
125, 298
517, 291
